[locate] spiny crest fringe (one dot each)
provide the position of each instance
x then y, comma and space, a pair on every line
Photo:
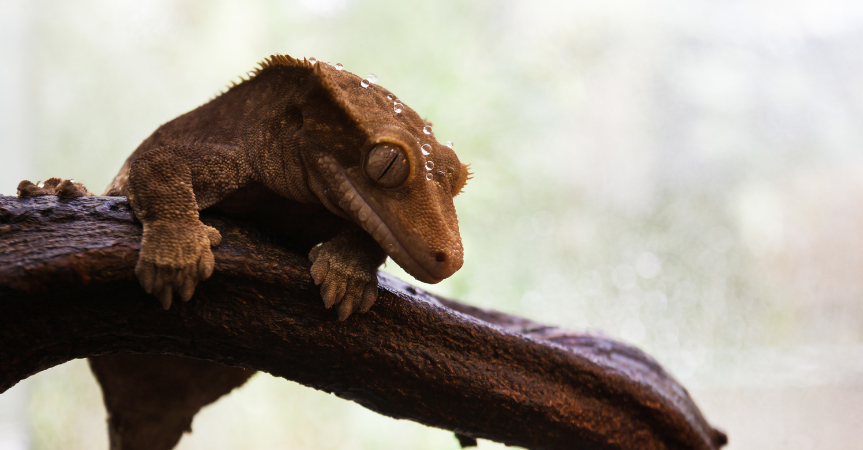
272, 61
468, 176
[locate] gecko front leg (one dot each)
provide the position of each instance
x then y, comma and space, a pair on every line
175, 249
345, 267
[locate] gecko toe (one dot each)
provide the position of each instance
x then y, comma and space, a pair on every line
314, 252
159, 282
319, 271
165, 297
206, 265
52, 183
188, 288
353, 296
146, 274
178, 276
346, 307
332, 292
370, 295
70, 189
213, 235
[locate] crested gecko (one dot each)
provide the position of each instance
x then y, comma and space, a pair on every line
305, 148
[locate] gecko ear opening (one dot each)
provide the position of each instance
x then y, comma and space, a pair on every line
464, 175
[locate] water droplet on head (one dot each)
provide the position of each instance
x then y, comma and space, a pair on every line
339, 66
429, 165
364, 83
390, 96
313, 60
372, 78
251, 74
429, 176
426, 149
449, 144
427, 129
397, 107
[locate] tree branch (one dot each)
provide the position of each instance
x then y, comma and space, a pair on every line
67, 291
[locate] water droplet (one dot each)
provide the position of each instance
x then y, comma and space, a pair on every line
372, 78
390, 96
418, 140
397, 107
71, 180
426, 149
313, 60
429, 165
427, 129
364, 83
429, 176
251, 74
449, 144
40, 184
339, 66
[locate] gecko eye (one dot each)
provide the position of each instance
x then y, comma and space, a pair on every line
387, 165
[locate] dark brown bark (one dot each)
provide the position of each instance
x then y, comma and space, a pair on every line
67, 291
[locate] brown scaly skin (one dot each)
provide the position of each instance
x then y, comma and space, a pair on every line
302, 132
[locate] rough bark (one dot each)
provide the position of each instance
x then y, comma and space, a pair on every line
67, 291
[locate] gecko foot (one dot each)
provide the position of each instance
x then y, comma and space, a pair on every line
350, 283
52, 186
174, 258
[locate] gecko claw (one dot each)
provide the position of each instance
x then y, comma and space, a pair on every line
165, 298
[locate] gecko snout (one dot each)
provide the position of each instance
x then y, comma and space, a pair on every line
442, 263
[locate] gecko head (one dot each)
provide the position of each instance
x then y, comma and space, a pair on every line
405, 206
388, 174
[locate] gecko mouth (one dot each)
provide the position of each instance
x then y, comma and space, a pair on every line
353, 204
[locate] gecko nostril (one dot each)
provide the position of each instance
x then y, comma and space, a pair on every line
440, 257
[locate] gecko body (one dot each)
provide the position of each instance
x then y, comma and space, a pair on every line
307, 150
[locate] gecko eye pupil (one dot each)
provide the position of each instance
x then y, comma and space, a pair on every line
387, 165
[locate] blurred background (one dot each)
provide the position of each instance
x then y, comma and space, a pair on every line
686, 176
